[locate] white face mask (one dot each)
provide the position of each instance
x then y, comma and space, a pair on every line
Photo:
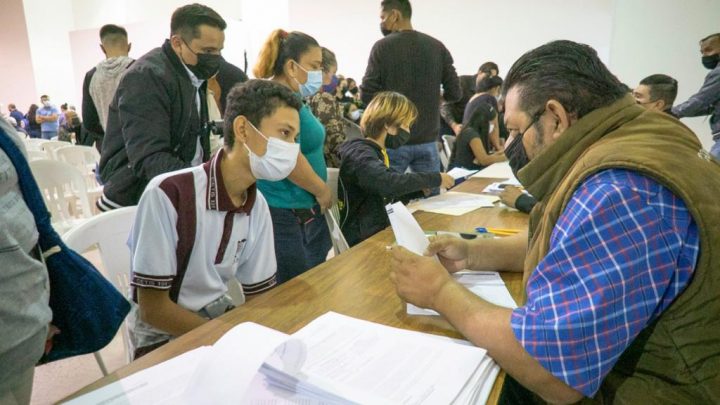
46, 103
277, 162
355, 115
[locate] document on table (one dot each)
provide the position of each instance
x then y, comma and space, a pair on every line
208, 374
461, 173
365, 362
499, 187
453, 203
499, 170
485, 284
408, 233
334, 359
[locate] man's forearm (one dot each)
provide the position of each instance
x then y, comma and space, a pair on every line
488, 326
172, 318
506, 253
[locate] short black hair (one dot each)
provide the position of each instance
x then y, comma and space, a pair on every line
63, 106
711, 36
109, 31
488, 83
488, 66
403, 6
255, 100
44, 96
566, 71
186, 20
662, 87
480, 119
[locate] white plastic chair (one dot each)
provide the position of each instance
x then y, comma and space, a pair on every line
332, 181
331, 216
83, 158
338, 239
63, 188
34, 144
448, 143
109, 233
51, 146
36, 155
353, 130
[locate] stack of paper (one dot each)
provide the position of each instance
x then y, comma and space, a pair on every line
335, 359
500, 170
368, 363
485, 284
453, 203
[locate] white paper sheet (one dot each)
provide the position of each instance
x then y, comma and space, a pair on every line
487, 285
453, 203
461, 173
209, 374
408, 233
500, 170
150, 386
372, 363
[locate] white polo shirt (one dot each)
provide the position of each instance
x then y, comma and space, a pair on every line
190, 239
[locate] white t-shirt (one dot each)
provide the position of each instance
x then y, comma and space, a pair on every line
190, 239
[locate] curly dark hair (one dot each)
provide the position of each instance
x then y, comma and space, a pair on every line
255, 100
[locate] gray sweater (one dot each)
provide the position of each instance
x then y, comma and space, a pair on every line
24, 288
705, 102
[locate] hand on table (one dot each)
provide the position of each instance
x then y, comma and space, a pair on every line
510, 195
418, 279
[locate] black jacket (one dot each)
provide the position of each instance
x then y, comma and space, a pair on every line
153, 125
366, 186
415, 65
92, 130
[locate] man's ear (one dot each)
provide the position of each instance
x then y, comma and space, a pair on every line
102, 48
661, 104
129, 47
240, 128
560, 116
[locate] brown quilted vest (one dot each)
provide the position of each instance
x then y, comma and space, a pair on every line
676, 358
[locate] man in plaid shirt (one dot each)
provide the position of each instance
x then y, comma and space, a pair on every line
613, 246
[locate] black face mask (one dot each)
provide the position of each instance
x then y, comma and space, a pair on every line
385, 31
711, 61
206, 67
515, 152
396, 141
207, 64
354, 90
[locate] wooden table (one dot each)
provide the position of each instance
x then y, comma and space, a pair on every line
355, 283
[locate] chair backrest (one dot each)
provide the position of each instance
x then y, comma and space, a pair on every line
108, 231
332, 182
338, 239
352, 130
83, 158
36, 155
34, 144
63, 188
51, 146
448, 143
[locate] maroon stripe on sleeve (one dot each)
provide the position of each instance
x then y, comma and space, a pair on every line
180, 189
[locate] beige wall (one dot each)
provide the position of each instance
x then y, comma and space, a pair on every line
17, 81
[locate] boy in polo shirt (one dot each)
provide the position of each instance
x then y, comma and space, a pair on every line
198, 228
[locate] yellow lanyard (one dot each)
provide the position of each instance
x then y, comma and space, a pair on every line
386, 159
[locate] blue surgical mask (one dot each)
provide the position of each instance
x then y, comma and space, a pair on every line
312, 84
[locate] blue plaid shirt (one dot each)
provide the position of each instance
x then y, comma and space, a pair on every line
623, 249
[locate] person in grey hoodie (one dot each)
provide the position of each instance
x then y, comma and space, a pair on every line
707, 100
101, 82
24, 287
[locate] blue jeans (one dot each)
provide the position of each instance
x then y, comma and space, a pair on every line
49, 134
715, 150
421, 158
298, 247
